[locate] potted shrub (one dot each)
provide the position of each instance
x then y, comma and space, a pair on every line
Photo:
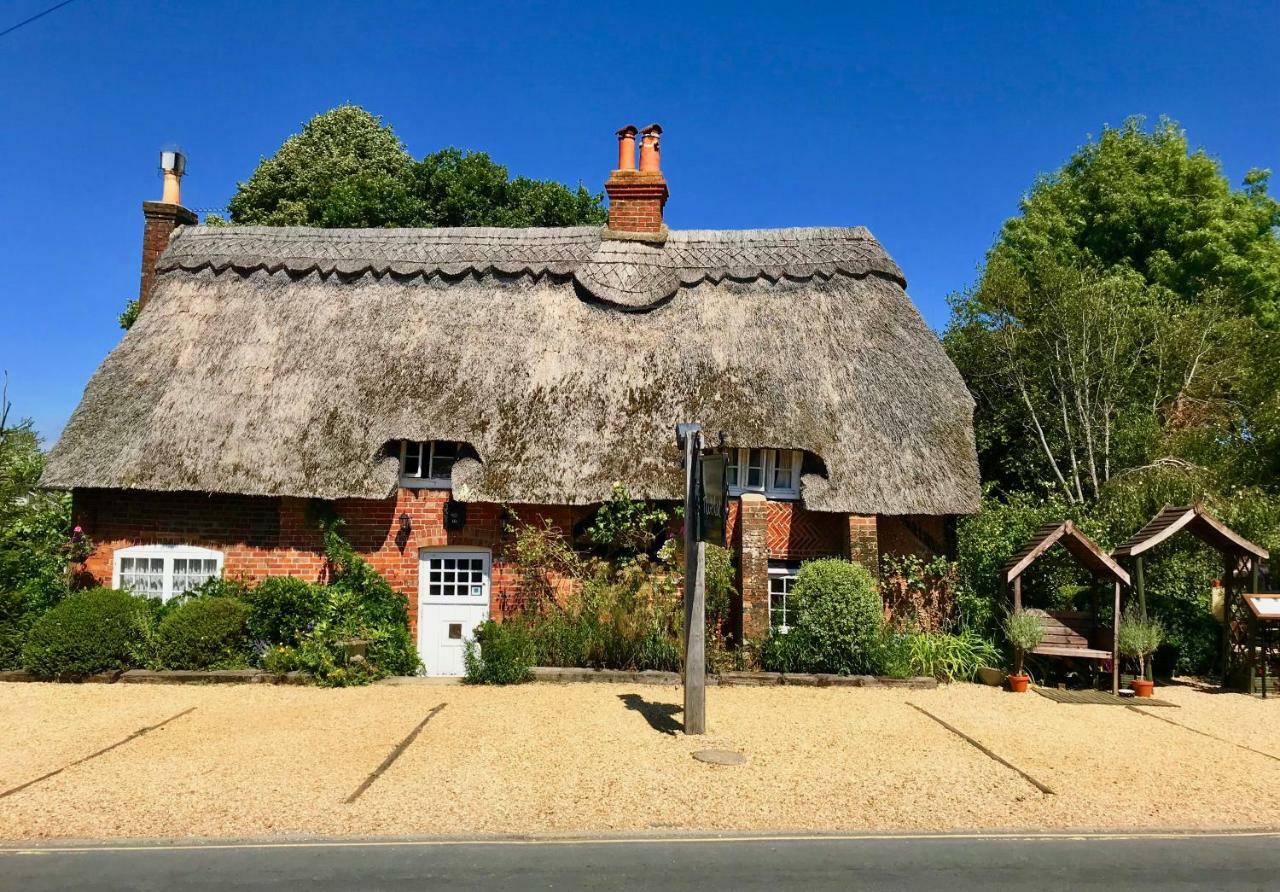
1025, 632
1138, 637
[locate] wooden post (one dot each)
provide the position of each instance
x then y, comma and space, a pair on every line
1139, 582
1251, 622
1227, 572
1017, 594
1115, 644
695, 610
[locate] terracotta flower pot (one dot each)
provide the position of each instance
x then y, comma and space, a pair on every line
1018, 683
1142, 687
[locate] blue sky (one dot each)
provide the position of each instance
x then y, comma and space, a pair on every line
925, 123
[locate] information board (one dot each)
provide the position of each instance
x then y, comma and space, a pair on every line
1264, 606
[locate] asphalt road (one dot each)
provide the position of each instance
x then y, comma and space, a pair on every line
954, 863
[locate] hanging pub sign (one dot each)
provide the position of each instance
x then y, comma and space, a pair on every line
713, 498
455, 514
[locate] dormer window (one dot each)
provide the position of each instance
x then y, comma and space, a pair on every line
429, 464
774, 472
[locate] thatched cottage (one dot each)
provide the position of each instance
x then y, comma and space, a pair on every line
399, 375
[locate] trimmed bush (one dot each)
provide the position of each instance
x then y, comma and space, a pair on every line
204, 633
283, 609
840, 625
88, 632
501, 653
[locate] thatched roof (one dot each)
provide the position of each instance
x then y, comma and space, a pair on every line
281, 361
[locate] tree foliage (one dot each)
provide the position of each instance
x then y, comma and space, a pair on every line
1142, 200
35, 524
348, 169
1125, 321
1121, 344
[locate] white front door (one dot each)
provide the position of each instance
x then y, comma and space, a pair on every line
453, 598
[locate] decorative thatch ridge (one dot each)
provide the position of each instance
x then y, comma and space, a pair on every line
631, 274
282, 361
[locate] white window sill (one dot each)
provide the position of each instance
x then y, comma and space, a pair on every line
425, 483
777, 495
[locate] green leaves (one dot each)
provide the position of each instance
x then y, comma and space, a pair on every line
346, 169
1127, 320
1143, 200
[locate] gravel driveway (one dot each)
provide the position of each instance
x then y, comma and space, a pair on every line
259, 760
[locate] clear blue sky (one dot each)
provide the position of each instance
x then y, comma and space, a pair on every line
923, 123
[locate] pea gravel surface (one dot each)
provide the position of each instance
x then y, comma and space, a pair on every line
257, 760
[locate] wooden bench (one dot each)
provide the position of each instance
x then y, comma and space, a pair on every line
1067, 633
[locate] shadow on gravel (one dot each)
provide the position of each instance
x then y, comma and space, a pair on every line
660, 716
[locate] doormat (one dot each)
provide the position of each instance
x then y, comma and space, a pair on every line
1098, 698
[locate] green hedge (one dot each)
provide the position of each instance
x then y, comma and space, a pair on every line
88, 632
204, 633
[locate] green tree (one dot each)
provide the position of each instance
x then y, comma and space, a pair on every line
1120, 323
348, 169
34, 535
1142, 200
344, 169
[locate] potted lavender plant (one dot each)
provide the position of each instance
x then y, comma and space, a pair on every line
1025, 632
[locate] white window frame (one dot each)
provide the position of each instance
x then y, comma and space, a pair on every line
454, 551
427, 461
783, 573
738, 459
168, 553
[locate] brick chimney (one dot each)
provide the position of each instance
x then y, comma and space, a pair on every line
162, 217
636, 197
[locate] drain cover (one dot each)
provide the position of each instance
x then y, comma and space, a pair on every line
720, 757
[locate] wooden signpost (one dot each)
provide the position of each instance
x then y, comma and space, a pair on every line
705, 503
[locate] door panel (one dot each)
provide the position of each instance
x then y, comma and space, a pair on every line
453, 599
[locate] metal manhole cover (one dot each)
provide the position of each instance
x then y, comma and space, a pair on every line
720, 757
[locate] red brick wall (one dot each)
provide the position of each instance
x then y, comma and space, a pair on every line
159, 222
863, 543
262, 537
636, 199
920, 534
751, 538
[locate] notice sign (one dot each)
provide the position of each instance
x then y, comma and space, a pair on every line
1264, 606
713, 498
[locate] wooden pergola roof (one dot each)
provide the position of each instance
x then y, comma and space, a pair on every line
1087, 552
1195, 520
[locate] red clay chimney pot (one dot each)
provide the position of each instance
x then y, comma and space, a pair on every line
627, 147
649, 159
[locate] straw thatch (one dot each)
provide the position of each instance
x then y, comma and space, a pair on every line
280, 361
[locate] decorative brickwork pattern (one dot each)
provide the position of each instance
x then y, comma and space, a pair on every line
796, 534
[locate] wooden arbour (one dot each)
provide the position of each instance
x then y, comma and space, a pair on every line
1241, 565
1072, 634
